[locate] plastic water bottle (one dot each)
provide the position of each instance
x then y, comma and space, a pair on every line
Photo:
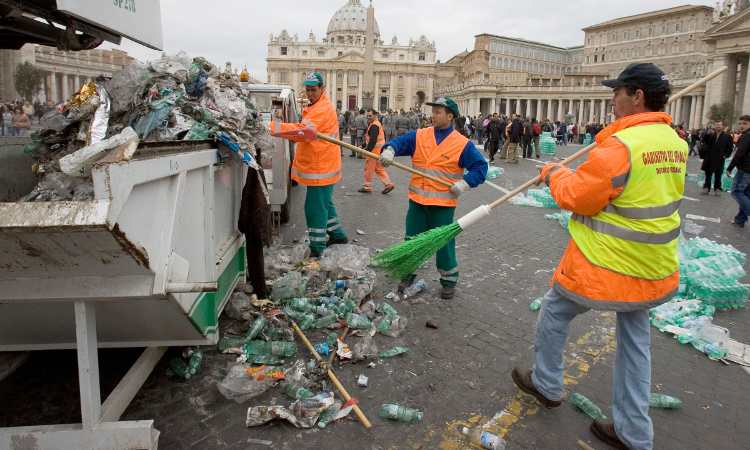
415, 288
587, 406
536, 304
322, 348
395, 351
258, 326
296, 392
400, 413
484, 439
301, 304
664, 401
274, 348
323, 322
389, 310
358, 321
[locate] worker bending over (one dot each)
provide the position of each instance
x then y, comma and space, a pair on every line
443, 152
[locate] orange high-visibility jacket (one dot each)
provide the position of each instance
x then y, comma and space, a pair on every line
437, 160
586, 191
381, 136
316, 163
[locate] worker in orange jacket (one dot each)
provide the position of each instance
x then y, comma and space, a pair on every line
622, 255
317, 165
374, 141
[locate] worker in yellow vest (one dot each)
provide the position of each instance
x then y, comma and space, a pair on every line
441, 151
374, 141
317, 165
622, 255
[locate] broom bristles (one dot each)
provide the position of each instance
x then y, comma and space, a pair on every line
403, 259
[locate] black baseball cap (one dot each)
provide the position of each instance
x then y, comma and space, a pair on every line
640, 75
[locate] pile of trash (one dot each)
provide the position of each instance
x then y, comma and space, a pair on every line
709, 281
700, 178
547, 143
539, 198
329, 300
174, 98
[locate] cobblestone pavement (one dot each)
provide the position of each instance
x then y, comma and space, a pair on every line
458, 374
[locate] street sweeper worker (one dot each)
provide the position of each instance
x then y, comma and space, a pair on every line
374, 140
317, 165
441, 151
622, 255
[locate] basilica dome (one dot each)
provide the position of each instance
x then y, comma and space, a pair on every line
350, 19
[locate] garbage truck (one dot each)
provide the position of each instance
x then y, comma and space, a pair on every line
149, 262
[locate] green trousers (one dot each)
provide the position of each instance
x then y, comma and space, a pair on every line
421, 218
322, 221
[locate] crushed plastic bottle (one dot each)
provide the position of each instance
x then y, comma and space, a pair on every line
536, 304
400, 413
296, 392
358, 321
417, 287
323, 348
186, 370
587, 406
292, 285
494, 172
484, 439
274, 348
395, 351
257, 328
657, 400
323, 322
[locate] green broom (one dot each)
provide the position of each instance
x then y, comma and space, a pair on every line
403, 259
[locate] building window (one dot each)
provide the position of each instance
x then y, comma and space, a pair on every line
283, 78
341, 53
321, 53
401, 57
385, 55
283, 51
422, 56
304, 52
595, 58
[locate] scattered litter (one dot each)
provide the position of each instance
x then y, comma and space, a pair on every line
586, 406
362, 381
301, 413
539, 198
345, 261
704, 218
292, 285
536, 304
343, 351
259, 442
400, 413
238, 307
395, 351
360, 232
657, 400
187, 364
431, 324
413, 290
240, 386
692, 228
562, 217
484, 439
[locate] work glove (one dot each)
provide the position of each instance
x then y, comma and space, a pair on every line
459, 188
387, 155
545, 171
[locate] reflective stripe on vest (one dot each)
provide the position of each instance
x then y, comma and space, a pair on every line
437, 160
318, 162
315, 176
636, 234
380, 142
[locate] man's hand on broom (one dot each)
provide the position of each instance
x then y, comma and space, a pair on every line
387, 155
545, 171
459, 188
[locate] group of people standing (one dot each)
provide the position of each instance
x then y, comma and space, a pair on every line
16, 118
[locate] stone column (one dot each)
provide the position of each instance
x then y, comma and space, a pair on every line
345, 92
376, 93
538, 112
699, 113
518, 106
591, 111
507, 106
722, 88
693, 110
678, 111
580, 119
603, 111
52, 94
493, 105
360, 84
559, 110
65, 87
744, 98
392, 92
331, 84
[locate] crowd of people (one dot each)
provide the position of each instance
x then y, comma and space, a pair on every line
18, 116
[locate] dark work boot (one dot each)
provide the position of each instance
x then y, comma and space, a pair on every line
447, 292
524, 383
605, 432
332, 241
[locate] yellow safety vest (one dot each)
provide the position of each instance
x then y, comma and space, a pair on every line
637, 233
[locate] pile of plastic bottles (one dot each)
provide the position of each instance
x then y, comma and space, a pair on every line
588, 139
543, 196
547, 143
710, 272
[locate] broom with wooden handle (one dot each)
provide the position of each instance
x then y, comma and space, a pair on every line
403, 259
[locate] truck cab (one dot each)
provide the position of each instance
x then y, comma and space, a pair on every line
278, 102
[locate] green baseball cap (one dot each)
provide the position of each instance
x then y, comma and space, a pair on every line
448, 103
314, 79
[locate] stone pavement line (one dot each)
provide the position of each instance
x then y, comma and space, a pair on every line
590, 348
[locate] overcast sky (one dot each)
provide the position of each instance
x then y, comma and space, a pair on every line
238, 30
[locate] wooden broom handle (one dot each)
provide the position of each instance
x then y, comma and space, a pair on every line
362, 151
577, 155
334, 379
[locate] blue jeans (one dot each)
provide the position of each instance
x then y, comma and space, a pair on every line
740, 187
632, 373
